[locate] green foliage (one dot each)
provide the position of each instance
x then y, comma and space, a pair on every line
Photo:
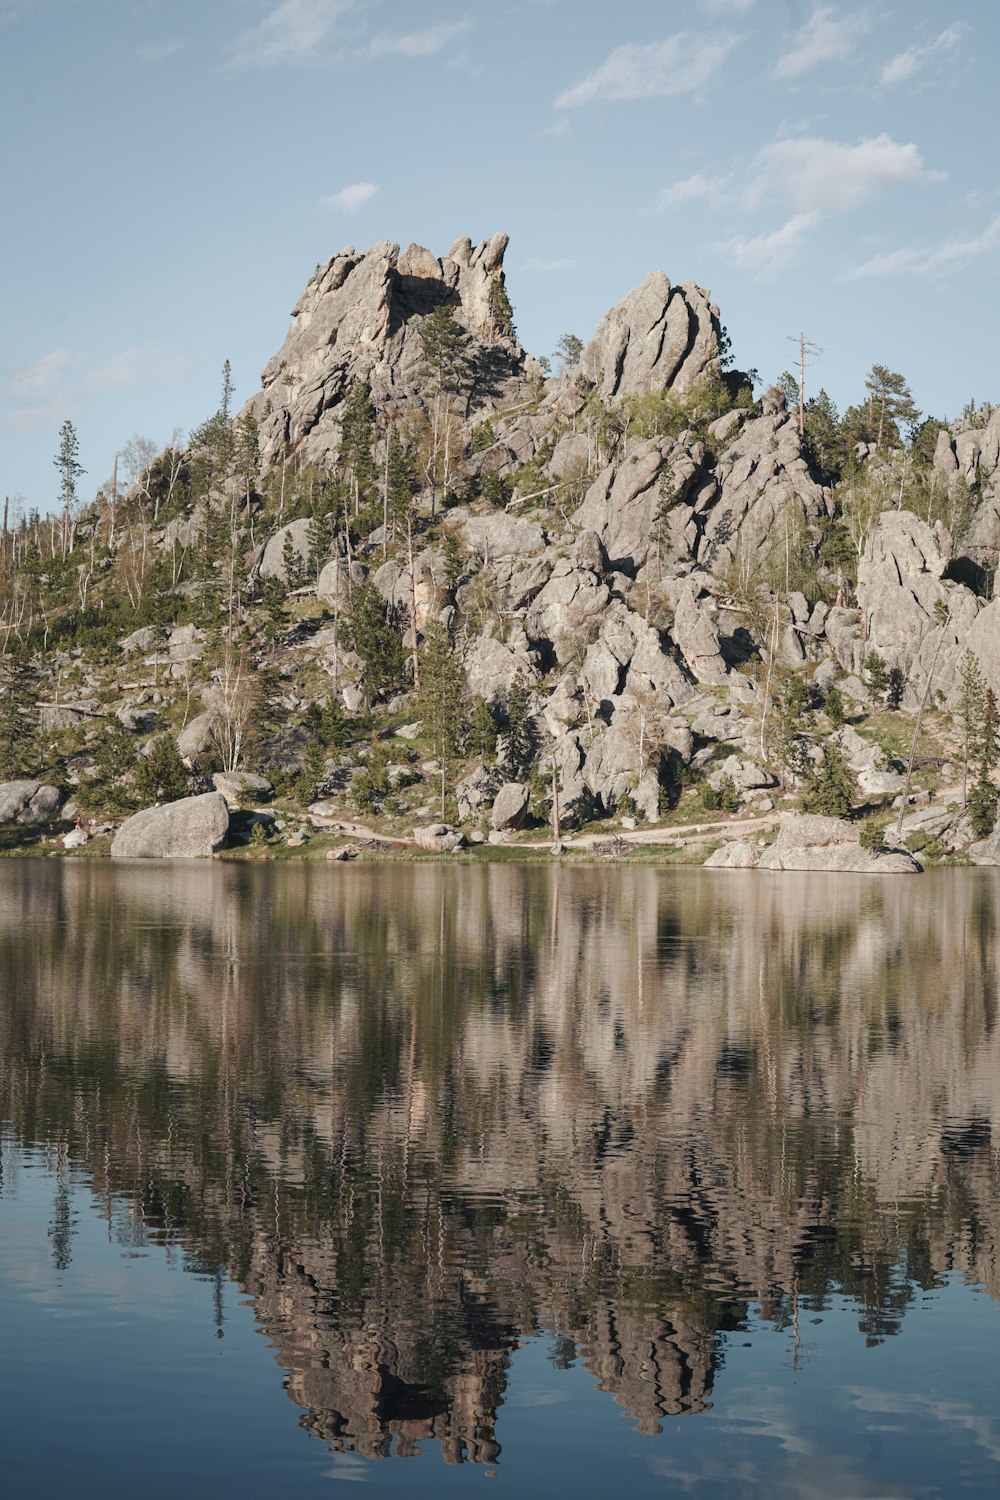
328, 722
441, 701
567, 352
834, 707
483, 731
872, 834
876, 673
400, 480
520, 738
444, 343
794, 705
357, 442
496, 490
309, 782
890, 404
833, 789
110, 790
498, 306
982, 807
895, 687
18, 712
67, 462
454, 563
161, 775
825, 446
483, 436
376, 639
723, 798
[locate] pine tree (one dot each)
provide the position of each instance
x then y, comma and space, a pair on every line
18, 715
377, 641
441, 699
357, 443
501, 313
833, 789
161, 775
482, 739
67, 461
520, 742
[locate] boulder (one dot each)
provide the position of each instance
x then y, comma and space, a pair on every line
272, 559
696, 633
810, 842
438, 838
477, 791
986, 851
76, 838
42, 807
735, 856
510, 806
242, 787
196, 737
14, 798
191, 828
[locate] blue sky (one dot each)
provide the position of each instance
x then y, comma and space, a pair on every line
173, 170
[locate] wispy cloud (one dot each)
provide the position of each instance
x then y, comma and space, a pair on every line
826, 37
56, 385
905, 65
766, 254
680, 64
726, 7
539, 266
696, 189
295, 31
426, 43
913, 261
351, 198
832, 176
155, 52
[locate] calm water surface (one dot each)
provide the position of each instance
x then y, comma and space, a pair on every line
584, 1181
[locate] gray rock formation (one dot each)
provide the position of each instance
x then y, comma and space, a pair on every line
510, 807
28, 802
438, 838
193, 828
242, 788
659, 337
359, 319
809, 842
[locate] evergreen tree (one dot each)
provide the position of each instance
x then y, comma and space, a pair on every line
793, 706
833, 789
567, 352
377, 641
161, 775
520, 740
501, 314
357, 443
67, 462
18, 714
482, 739
441, 700
876, 673
890, 402
969, 711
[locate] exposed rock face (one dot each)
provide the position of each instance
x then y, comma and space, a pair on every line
900, 584
28, 802
969, 453
659, 337
359, 319
809, 842
192, 828
196, 737
241, 788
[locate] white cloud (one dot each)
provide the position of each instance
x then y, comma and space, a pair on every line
826, 37
155, 52
691, 190
538, 265
831, 176
293, 32
349, 199
418, 43
910, 261
55, 386
678, 65
906, 64
767, 254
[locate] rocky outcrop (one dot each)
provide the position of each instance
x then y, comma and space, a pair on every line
359, 318
192, 828
902, 591
28, 802
658, 338
438, 838
809, 842
242, 788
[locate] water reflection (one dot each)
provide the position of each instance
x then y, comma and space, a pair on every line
418, 1113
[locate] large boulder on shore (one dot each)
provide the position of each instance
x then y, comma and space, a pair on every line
807, 841
191, 828
510, 806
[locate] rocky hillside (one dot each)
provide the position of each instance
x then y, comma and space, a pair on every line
422, 579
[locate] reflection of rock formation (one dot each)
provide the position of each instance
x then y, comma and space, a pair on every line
419, 1113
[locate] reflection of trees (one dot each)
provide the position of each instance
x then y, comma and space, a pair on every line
419, 1112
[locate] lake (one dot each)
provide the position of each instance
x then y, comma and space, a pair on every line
574, 1180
